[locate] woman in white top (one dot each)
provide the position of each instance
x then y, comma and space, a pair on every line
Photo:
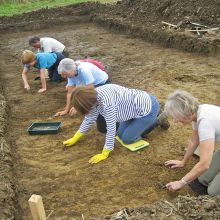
205, 119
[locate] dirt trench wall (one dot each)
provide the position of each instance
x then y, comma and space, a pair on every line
139, 18
166, 38
45, 18
7, 193
143, 18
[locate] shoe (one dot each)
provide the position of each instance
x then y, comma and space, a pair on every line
163, 122
37, 78
198, 188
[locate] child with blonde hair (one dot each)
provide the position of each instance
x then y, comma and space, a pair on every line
41, 61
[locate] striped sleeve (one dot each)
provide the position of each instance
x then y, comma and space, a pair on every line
110, 117
88, 121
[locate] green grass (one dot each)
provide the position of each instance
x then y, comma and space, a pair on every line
13, 8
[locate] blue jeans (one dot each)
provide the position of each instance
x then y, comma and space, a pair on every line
130, 131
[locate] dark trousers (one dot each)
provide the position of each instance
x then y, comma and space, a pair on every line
65, 53
53, 70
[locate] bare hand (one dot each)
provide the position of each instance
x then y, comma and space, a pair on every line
72, 111
41, 90
174, 163
27, 87
61, 113
173, 186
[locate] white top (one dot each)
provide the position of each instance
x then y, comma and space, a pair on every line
49, 44
208, 122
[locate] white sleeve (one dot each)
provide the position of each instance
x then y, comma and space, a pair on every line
47, 47
206, 130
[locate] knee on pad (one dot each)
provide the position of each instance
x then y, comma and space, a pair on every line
127, 140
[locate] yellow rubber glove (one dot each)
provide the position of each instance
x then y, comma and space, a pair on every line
74, 139
99, 157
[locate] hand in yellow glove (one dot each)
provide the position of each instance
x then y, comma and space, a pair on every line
99, 157
74, 139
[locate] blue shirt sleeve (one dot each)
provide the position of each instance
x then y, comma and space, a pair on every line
86, 75
26, 66
71, 82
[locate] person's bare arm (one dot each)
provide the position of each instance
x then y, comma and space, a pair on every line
206, 153
192, 145
25, 78
43, 81
70, 90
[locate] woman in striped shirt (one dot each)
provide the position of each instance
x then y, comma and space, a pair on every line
136, 111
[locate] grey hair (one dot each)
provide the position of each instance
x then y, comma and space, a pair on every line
181, 104
66, 65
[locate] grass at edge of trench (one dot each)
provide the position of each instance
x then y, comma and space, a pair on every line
10, 9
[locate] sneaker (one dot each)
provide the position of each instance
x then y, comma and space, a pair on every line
163, 121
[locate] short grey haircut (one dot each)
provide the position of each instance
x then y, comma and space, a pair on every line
66, 65
181, 104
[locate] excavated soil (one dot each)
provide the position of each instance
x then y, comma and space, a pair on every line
69, 185
143, 19
181, 208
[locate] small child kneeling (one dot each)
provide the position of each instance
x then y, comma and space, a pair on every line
41, 61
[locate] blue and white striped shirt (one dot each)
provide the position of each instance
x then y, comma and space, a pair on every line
117, 104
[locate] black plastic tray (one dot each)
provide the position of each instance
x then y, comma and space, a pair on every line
44, 128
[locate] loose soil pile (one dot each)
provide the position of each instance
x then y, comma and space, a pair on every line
7, 184
142, 18
183, 207
69, 185
148, 12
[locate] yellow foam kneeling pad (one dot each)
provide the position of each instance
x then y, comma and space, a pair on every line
135, 146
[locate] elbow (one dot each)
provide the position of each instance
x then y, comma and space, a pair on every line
204, 166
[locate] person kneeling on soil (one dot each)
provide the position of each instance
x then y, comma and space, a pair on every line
41, 61
136, 111
80, 73
48, 45
205, 119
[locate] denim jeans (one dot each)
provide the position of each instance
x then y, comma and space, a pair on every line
130, 131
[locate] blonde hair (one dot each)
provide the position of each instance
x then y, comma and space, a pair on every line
84, 99
181, 104
27, 57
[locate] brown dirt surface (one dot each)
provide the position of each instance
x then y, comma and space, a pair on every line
70, 186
